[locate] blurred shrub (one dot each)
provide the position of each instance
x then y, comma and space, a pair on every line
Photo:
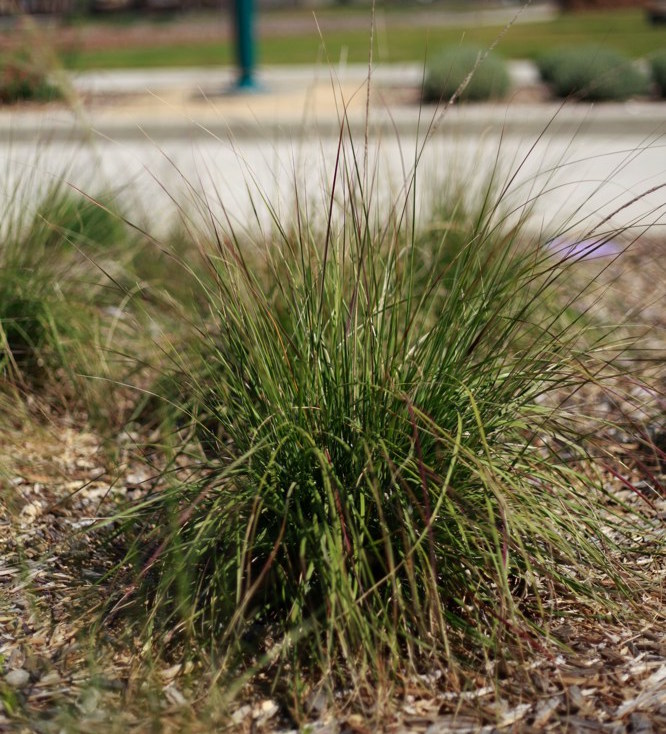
658, 66
592, 73
450, 68
21, 79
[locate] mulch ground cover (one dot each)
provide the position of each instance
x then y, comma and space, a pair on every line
59, 673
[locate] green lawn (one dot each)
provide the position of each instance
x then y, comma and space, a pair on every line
625, 31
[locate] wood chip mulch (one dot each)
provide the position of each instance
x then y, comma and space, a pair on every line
57, 676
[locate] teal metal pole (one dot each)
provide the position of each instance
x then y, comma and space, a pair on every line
245, 47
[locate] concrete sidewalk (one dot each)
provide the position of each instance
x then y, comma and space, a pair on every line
302, 102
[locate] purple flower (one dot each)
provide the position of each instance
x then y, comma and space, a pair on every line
590, 249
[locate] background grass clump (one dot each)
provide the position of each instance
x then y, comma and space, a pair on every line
369, 465
468, 72
658, 68
592, 73
65, 290
34, 321
37, 313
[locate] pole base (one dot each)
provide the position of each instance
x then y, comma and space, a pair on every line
245, 84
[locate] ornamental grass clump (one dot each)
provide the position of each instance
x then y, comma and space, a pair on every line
592, 73
373, 476
465, 73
